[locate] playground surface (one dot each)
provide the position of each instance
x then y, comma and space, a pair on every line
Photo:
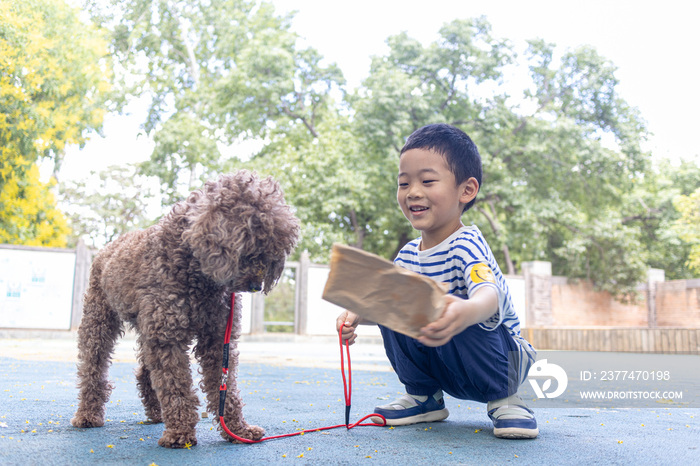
295, 384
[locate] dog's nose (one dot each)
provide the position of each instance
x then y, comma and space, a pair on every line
254, 287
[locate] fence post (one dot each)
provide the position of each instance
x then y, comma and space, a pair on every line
302, 302
81, 278
257, 313
538, 293
653, 277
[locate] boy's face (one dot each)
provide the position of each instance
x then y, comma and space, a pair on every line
429, 197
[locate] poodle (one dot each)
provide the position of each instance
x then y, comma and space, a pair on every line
172, 283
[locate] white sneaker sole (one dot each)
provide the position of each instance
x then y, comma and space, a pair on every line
516, 433
432, 416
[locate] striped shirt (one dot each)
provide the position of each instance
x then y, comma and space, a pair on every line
453, 262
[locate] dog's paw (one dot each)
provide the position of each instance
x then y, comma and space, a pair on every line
174, 439
83, 420
150, 421
248, 433
256, 432
153, 416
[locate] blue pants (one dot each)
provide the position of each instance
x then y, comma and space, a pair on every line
473, 365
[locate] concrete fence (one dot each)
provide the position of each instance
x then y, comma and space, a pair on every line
42, 288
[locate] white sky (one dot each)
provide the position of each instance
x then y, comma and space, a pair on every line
655, 46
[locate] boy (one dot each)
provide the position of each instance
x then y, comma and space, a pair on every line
474, 351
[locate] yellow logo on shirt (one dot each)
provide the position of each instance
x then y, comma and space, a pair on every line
482, 273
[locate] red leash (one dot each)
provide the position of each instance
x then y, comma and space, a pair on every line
347, 389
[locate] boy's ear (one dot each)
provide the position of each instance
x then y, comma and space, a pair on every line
470, 189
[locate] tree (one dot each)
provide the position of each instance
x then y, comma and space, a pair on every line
28, 215
118, 203
217, 72
650, 207
53, 86
685, 179
326, 179
576, 156
565, 177
688, 206
415, 85
688, 226
54, 79
558, 157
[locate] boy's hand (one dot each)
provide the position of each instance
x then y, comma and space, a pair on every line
458, 315
349, 321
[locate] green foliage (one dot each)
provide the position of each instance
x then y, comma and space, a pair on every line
217, 72
688, 226
649, 207
182, 146
279, 304
100, 213
52, 78
565, 178
333, 185
559, 156
53, 86
28, 215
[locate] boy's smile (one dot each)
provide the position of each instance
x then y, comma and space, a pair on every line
429, 197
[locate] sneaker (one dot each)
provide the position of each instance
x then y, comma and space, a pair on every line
412, 409
512, 418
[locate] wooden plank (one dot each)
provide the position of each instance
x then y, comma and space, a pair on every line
640, 340
560, 339
539, 339
665, 343
681, 341
652, 340
686, 340
621, 340
671, 340
551, 341
637, 340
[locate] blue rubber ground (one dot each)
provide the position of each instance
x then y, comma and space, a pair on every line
37, 400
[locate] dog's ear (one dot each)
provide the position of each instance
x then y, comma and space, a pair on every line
273, 272
206, 236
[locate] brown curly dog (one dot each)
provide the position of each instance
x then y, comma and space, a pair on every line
172, 283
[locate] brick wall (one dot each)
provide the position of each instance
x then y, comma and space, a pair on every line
678, 303
577, 304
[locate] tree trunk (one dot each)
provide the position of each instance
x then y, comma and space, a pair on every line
403, 239
510, 268
359, 231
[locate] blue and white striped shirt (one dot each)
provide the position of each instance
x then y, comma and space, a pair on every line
452, 262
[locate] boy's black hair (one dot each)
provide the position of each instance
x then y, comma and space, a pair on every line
459, 150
